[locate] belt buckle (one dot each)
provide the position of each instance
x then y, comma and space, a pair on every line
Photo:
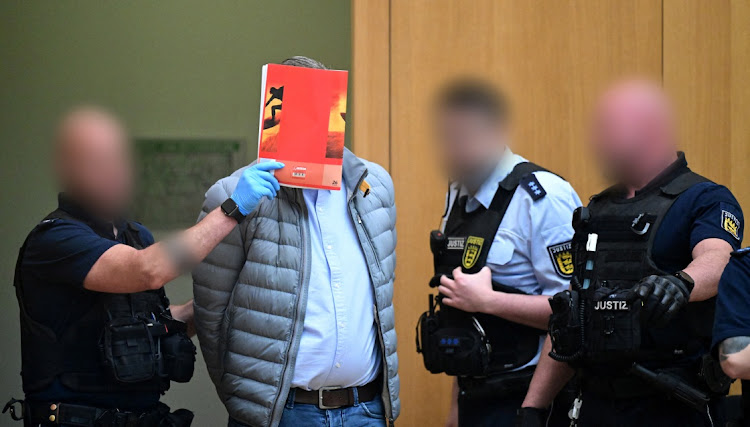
320, 398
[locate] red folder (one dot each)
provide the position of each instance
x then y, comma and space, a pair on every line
302, 120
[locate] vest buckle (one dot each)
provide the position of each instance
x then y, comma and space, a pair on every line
640, 224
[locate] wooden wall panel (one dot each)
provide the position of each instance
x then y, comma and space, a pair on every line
696, 73
551, 57
706, 63
371, 80
739, 74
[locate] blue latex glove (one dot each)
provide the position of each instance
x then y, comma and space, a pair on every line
256, 182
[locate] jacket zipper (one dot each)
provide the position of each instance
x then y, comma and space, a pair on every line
358, 219
387, 402
300, 306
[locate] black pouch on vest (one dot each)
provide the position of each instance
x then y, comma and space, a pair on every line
129, 350
565, 329
179, 356
614, 325
453, 348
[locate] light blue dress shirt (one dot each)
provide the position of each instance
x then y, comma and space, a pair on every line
339, 345
520, 255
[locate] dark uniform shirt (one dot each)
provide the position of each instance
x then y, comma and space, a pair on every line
57, 258
732, 313
704, 211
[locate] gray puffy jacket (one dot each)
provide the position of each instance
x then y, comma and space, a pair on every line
251, 292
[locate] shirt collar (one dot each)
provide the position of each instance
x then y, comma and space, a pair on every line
677, 168
487, 190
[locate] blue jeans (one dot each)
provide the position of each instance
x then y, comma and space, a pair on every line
362, 414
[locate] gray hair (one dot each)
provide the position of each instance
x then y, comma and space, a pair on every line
303, 61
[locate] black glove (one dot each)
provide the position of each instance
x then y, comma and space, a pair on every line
531, 417
663, 297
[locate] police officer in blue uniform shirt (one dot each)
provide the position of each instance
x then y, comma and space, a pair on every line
99, 339
731, 339
732, 322
503, 249
648, 253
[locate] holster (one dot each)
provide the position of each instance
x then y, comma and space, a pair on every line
177, 350
613, 326
566, 326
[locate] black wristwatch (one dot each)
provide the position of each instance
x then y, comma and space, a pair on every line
686, 279
230, 209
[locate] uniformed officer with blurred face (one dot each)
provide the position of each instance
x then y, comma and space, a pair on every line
648, 253
506, 248
100, 341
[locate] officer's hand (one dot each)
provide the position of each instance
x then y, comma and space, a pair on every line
663, 297
256, 182
452, 420
467, 292
531, 417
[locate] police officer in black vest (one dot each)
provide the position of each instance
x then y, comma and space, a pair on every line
648, 253
503, 249
99, 340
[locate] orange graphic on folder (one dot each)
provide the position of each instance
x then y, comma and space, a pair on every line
302, 124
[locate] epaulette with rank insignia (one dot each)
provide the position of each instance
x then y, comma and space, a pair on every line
533, 187
741, 252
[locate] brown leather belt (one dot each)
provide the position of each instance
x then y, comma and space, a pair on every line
333, 398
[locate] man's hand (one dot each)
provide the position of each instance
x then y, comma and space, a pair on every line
467, 292
256, 182
184, 313
452, 419
663, 297
734, 356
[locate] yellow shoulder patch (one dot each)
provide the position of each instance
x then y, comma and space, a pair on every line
730, 224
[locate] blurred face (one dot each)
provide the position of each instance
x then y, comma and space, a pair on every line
633, 134
616, 141
95, 163
470, 143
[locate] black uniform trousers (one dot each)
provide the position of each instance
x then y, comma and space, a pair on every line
502, 412
651, 411
488, 412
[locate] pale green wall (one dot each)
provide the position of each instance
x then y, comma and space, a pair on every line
171, 69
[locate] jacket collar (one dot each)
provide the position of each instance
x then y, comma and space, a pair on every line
354, 172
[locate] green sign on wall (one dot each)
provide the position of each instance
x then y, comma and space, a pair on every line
173, 176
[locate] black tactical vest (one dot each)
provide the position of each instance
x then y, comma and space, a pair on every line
139, 348
466, 242
611, 249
